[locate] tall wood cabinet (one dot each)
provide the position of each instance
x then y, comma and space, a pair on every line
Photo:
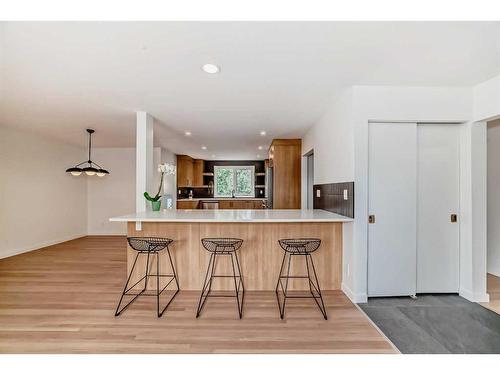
285, 159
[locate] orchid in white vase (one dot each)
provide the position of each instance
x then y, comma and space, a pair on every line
164, 169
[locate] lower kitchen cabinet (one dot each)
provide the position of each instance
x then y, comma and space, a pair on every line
224, 204
240, 204
187, 205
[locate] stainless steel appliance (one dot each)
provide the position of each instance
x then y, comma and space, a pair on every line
209, 205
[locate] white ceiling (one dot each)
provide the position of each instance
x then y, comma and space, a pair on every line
60, 78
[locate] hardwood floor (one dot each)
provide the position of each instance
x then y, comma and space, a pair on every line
493, 289
61, 299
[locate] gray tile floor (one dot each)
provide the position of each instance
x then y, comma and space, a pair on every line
436, 324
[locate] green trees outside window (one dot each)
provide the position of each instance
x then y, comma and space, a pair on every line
237, 180
224, 182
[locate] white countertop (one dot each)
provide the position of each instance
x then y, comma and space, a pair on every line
220, 199
234, 216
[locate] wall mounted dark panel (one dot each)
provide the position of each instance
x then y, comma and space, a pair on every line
332, 198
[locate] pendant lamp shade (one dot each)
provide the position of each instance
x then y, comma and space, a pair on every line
88, 167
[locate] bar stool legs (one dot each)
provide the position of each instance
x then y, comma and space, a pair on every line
210, 275
316, 286
282, 284
127, 289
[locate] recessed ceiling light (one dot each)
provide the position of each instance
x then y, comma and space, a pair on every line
203, 147
263, 133
258, 155
260, 147
210, 68
187, 133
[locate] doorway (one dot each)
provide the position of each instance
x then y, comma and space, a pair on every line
493, 203
310, 179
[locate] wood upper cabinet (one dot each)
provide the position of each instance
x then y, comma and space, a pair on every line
189, 171
198, 172
285, 159
185, 171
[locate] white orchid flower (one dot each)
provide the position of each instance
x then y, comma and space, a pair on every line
166, 168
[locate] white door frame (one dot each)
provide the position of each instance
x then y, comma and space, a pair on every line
304, 192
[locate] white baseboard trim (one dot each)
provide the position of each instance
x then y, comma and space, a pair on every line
474, 297
27, 249
354, 297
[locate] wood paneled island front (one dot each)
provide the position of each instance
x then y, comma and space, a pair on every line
260, 254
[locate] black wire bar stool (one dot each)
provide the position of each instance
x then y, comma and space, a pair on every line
218, 247
299, 247
150, 246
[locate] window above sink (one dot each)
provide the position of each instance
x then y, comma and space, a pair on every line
234, 181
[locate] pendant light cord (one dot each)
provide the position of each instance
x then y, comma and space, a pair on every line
90, 147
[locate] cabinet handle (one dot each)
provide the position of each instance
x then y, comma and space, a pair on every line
371, 219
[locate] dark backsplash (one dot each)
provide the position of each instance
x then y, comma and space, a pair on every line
332, 198
197, 193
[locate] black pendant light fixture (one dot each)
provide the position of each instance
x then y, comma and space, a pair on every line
91, 168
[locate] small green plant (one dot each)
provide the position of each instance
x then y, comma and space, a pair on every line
156, 198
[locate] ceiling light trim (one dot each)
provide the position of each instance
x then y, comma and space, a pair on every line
210, 68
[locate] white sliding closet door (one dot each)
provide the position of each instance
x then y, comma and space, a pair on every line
438, 200
392, 174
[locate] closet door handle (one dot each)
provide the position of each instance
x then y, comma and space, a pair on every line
453, 218
371, 219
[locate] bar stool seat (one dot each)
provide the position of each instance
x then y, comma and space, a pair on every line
218, 247
299, 247
150, 246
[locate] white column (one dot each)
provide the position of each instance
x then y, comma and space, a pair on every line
479, 210
144, 161
473, 207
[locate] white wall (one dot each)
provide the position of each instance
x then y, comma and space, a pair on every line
170, 183
333, 135
494, 197
342, 134
415, 104
40, 204
487, 99
114, 194
332, 139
